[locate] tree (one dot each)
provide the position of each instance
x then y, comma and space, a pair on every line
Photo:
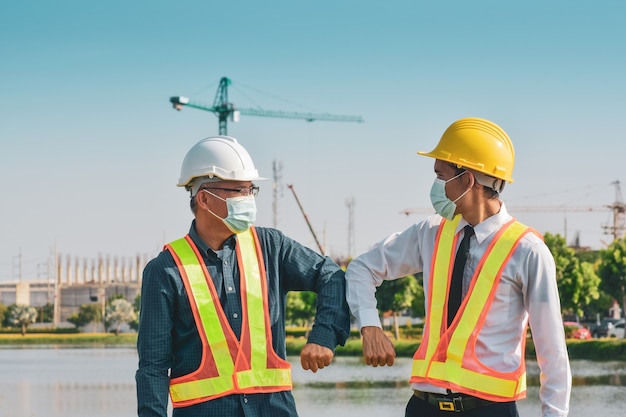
87, 313
577, 281
301, 308
23, 316
3, 313
396, 296
612, 270
46, 313
134, 324
418, 306
119, 311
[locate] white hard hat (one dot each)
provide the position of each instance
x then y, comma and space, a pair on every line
217, 156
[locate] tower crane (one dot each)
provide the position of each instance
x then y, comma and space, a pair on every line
618, 208
617, 229
226, 110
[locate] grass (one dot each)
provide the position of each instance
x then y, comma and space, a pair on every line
81, 339
595, 349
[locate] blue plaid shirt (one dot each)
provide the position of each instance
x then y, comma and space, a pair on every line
168, 339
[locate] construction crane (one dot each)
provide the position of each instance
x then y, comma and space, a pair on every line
618, 208
226, 110
306, 218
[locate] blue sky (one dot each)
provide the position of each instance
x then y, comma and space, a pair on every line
90, 149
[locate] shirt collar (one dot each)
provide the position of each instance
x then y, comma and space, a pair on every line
202, 246
488, 226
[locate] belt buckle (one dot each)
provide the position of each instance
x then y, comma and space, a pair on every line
450, 404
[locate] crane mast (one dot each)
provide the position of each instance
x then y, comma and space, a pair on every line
619, 214
225, 110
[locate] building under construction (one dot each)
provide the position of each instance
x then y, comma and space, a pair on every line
76, 282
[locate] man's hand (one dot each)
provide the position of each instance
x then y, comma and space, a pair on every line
377, 348
315, 357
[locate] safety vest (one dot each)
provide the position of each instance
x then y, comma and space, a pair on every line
228, 365
447, 356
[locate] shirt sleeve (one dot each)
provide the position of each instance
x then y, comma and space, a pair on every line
544, 309
303, 269
394, 257
154, 343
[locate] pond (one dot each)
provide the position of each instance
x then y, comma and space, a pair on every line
99, 382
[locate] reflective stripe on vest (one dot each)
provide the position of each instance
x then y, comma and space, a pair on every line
446, 357
228, 365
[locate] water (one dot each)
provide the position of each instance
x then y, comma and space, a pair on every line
99, 382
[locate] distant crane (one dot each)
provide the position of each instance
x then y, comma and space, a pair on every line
306, 218
226, 110
616, 229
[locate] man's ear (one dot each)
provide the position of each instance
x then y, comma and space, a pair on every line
202, 200
472, 180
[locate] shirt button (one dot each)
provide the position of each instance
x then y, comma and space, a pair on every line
230, 288
225, 262
235, 315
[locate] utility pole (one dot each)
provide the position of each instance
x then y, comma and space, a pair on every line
17, 265
57, 288
350, 204
277, 188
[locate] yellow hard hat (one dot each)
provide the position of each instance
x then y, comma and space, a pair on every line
477, 144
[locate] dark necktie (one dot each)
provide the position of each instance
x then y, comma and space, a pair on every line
456, 286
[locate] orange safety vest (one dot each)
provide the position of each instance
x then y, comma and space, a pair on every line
228, 366
447, 356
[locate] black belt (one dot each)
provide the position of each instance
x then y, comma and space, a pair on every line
453, 401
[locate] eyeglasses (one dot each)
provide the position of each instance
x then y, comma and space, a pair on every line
246, 191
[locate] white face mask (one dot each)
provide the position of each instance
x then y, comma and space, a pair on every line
440, 201
241, 212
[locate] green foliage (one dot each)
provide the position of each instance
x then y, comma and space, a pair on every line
599, 350
41, 331
613, 270
301, 308
418, 306
600, 306
22, 316
396, 296
83, 339
134, 324
609, 349
591, 256
46, 313
3, 313
119, 311
87, 313
577, 281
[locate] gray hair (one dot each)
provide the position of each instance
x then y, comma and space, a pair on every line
195, 186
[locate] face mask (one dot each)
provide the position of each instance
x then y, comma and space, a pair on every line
241, 212
441, 203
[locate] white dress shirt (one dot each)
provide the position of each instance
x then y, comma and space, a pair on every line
527, 293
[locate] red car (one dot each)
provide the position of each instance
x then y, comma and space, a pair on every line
576, 330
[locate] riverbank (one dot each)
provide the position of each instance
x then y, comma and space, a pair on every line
595, 349
73, 339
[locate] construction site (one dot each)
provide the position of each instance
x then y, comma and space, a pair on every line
70, 282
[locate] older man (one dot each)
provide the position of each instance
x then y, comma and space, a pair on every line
212, 326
